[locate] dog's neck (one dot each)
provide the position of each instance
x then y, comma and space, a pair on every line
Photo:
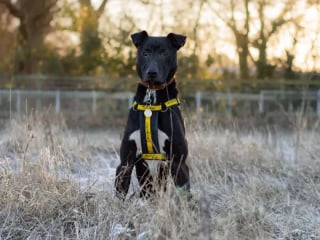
157, 96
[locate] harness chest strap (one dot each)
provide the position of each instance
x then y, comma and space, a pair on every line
158, 107
151, 155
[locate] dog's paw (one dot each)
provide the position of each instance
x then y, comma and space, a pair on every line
182, 194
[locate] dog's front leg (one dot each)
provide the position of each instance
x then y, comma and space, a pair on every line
179, 166
123, 178
144, 178
180, 173
124, 170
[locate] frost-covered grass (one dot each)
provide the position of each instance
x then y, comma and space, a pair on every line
57, 183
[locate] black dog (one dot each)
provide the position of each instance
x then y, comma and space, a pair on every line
154, 139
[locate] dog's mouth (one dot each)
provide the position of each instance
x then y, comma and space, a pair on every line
153, 82
155, 78
157, 85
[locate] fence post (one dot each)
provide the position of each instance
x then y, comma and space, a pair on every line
198, 102
38, 100
10, 106
318, 102
229, 103
94, 102
58, 101
261, 102
18, 103
130, 100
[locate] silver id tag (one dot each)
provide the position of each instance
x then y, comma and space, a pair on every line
147, 113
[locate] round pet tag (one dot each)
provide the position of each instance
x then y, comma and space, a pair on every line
147, 113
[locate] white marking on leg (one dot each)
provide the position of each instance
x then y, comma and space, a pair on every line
135, 136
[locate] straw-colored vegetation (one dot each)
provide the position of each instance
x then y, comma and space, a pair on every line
57, 184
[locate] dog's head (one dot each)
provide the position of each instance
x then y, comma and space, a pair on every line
157, 56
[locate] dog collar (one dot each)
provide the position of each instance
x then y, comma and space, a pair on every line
157, 86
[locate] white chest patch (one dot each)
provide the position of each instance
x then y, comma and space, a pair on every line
152, 164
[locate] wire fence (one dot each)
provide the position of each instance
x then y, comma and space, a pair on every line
264, 102
102, 100
47, 82
16, 103
77, 107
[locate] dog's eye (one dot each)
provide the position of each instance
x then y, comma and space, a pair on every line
145, 53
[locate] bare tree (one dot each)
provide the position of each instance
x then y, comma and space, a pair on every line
241, 33
7, 40
267, 28
90, 40
316, 39
34, 24
196, 26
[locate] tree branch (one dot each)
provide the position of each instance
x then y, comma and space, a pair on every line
247, 25
47, 10
12, 9
280, 20
228, 22
197, 25
85, 3
252, 58
101, 8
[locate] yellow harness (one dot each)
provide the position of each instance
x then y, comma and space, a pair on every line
148, 109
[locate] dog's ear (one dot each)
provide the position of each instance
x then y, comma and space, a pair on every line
139, 37
177, 40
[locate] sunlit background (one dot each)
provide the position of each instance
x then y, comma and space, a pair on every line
245, 46
278, 35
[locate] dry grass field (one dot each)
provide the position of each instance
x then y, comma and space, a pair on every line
57, 183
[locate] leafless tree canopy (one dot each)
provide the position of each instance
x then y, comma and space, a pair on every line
228, 36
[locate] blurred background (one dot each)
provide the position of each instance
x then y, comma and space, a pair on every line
244, 59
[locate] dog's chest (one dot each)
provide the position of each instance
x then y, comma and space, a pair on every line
152, 164
138, 135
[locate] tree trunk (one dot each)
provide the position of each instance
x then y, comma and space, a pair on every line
31, 46
90, 41
243, 53
261, 64
35, 19
264, 69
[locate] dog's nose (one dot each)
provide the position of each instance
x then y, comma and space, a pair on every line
152, 74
